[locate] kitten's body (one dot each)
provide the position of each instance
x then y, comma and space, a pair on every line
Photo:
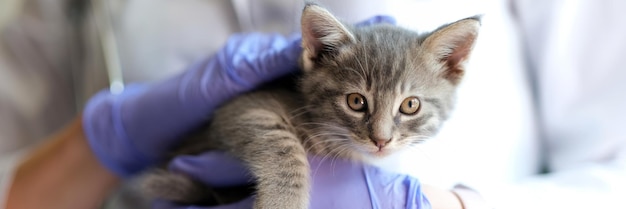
382, 66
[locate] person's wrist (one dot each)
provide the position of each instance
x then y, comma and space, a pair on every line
63, 161
441, 198
470, 199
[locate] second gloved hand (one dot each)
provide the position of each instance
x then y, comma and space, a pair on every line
336, 183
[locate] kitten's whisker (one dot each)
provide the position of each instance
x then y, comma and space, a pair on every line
419, 135
318, 124
335, 129
297, 115
418, 138
309, 147
326, 154
300, 108
322, 133
415, 143
332, 152
338, 155
326, 134
325, 140
415, 140
299, 111
327, 131
327, 127
328, 140
334, 158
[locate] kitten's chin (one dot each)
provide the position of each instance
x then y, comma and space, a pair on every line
380, 153
375, 155
366, 153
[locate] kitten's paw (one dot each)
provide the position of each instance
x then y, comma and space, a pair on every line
288, 204
298, 199
174, 187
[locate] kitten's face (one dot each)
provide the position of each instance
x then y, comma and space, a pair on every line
377, 89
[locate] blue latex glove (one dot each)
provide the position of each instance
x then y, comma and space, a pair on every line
336, 183
133, 130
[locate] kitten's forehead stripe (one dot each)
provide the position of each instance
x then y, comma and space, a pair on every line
386, 65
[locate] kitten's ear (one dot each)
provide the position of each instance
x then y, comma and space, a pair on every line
322, 32
451, 44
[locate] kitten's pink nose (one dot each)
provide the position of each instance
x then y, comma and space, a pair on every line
380, 143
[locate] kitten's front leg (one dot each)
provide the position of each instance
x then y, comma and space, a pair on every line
263, 137
279, 162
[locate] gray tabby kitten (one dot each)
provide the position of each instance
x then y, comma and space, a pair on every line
365, 92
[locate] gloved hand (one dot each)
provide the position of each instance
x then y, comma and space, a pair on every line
337, 183
131, 131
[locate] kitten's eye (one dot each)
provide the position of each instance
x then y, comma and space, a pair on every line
356, 102
410, 105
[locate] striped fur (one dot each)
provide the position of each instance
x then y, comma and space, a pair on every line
271, 130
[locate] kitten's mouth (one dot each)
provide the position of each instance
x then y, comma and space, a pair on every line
378, 151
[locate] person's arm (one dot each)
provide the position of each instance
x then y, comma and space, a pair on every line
77, 167
61, 173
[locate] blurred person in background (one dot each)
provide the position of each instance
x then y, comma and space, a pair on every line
539, 121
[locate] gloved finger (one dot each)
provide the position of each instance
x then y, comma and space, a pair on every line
260, 58
213, 168
377, 20
243, 204
251, 42
280, 60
